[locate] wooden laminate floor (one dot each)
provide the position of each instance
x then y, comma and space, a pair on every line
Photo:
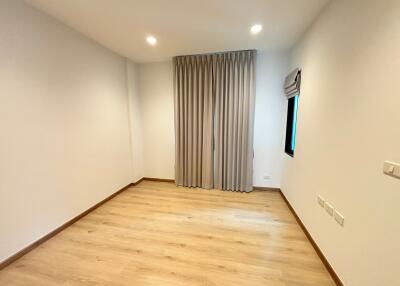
159, 234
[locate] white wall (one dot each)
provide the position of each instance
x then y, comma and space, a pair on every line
157, 101
348, 124
157, 106
64, 134
135, 120
269, 121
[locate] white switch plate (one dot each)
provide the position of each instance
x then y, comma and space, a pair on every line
329, 208
321, 201
391, 169
339, 218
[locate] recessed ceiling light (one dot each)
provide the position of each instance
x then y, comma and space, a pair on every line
255, 29
151, 40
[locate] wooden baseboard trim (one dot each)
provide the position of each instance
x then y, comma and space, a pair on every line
158, 180
268, 189
328, 267
137, 182
38, 242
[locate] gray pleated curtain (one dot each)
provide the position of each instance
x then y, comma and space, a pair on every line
292, 83
193, 121
214, 118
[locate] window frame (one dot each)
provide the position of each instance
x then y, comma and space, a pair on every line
291, 125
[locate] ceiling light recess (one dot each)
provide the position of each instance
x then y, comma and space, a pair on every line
151, 40
255, 29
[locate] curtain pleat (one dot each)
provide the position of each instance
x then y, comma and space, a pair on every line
214, 119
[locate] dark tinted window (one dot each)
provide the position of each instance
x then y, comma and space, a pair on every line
291, 125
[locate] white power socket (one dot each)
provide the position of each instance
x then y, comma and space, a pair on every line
321, 201
329, 208
339, 218
266, 177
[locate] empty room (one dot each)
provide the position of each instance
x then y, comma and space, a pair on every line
199, 142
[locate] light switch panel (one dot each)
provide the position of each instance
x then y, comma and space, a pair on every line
391, 169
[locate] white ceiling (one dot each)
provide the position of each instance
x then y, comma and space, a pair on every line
185, 26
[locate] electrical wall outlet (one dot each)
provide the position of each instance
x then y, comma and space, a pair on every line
266, 177
321, 201
339, 218
329, 208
